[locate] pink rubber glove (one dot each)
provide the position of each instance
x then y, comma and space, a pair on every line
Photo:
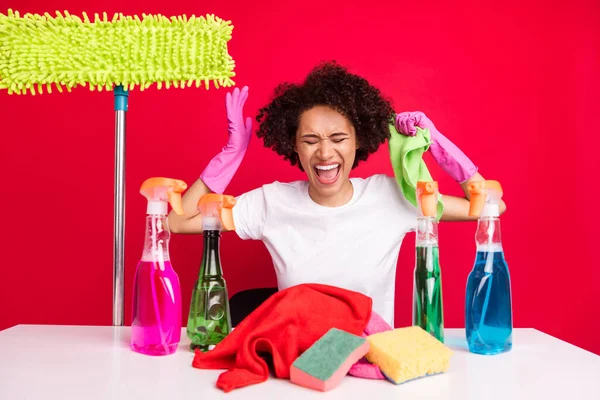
444, 152
363, 368
223, 166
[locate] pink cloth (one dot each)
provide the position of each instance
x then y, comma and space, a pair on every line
362, 368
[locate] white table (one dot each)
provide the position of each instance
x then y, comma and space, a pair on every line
85, 362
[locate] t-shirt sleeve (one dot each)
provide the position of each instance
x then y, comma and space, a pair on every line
406, 209
249, 214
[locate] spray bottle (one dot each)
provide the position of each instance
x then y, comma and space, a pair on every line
427, 291
488, 308
209, 320
156, 325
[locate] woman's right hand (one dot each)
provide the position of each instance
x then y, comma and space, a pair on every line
239, 133
217, 175
224, 165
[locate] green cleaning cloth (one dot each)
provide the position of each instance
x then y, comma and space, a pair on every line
406, 153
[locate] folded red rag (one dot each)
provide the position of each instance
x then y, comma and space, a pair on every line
285, 326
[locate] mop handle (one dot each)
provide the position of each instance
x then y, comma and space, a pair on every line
121, 96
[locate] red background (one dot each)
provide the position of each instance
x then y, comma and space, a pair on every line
514, 85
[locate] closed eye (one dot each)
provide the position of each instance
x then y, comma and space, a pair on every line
335, 138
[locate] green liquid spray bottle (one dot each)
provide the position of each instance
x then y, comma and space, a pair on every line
209, 320
428, 310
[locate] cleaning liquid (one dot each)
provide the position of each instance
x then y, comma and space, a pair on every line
209, 320
427, 292
488, 308
156, 325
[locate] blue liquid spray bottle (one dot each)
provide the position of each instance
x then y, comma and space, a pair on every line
488, 308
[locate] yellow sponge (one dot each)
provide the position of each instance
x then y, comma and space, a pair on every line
408, 353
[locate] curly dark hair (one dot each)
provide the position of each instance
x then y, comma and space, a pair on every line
328, 84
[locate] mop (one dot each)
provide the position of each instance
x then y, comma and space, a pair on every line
122, 53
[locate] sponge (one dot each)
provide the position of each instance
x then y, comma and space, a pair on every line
323, 365
408, 353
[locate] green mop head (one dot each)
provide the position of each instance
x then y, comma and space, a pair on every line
37, 51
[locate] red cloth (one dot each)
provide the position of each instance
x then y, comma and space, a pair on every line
285, 325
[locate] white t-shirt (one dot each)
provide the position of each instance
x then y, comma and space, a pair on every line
355, 246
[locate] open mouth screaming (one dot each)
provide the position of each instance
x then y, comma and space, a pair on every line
327, 174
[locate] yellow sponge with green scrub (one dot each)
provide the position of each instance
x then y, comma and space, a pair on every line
405, 354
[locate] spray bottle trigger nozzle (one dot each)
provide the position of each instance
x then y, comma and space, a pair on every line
174, 199
219, 206
160, 189
483, 192
428, 196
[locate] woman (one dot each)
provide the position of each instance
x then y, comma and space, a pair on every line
331, 228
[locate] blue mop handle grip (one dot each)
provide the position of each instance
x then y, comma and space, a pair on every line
121, 95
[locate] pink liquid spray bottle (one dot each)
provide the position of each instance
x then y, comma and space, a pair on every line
156, 325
